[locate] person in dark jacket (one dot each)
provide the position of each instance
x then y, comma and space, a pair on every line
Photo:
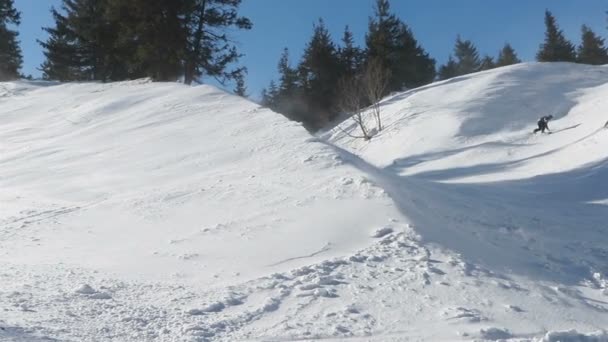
543, 124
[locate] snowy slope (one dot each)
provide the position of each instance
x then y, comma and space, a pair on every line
162, 183
459, 159
159, 173
140, 211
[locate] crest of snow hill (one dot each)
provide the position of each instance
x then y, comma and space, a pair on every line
157, 211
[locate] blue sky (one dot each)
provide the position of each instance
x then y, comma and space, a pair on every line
288, 23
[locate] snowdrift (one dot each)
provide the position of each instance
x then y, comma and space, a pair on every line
141, 211
166, 181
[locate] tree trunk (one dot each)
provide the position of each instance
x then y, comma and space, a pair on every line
190, 69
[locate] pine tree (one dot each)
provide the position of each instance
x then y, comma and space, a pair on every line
162, 39
592, 49
152, 36
10, 52
240, 89
467, 57
269, 95
210, 51
487, 63
288, 97
80, 44
393, 43
288, 83
350, 55
556, 47
448, 70
61, 62
507, 56
265, 98
319, 72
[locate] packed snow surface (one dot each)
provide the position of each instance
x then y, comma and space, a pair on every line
141, 211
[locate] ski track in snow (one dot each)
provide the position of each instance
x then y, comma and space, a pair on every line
136, 211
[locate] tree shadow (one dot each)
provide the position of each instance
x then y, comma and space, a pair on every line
479, 169
543, 227
413, 160
567, 128
398, 97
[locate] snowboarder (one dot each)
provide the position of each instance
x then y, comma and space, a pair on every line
543, 124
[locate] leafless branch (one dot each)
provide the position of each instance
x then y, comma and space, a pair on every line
375, 84
351, 101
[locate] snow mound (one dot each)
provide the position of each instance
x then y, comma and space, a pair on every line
574, 336
103, 175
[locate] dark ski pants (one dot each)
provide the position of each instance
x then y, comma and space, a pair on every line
541, 127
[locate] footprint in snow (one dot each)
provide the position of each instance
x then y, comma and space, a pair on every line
89, 292
494, 334
211, 308
382, 232
463, 314
515, 308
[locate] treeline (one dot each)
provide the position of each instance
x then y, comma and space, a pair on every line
113, 40
167, 40
311, 91
555, 48
466, 60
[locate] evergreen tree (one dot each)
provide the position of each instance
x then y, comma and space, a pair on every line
288, 80
350, 55
163, 39
288, 97
10, 52
556, 47
269, 95
448, 70
391, 41
507, 56
152, 36
487, 63
61, 62
467, 57
467, 60
265, 98
80, 46
319, 72
592, 49
240, 89
210, 51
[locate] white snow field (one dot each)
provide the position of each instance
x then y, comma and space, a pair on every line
141, 211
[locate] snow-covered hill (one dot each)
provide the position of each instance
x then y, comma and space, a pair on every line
140, 211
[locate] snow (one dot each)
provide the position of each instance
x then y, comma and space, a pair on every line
140, 211
159, 180
495, 334
574, 336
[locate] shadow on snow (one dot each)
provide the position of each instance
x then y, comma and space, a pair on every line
543, 227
